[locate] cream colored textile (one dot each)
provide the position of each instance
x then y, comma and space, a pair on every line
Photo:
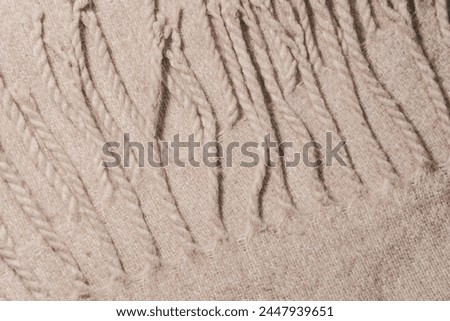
77, 74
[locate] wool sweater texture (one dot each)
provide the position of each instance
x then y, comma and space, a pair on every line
77, 74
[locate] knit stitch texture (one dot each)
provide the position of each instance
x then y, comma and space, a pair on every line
76, 74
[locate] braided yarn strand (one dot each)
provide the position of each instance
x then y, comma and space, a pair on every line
234, 54
9, 255
158, 174
190, 84
308, 68
85, 124
313, 51
40, 222
78, 119
329, 33
228, 52
74, 181
232, 109
39, 159
295, 124
429, 77
109, 125
89, 19
384, 98
161, 32
317, 190
288, 69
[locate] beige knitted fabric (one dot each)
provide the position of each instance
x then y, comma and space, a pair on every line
77, 74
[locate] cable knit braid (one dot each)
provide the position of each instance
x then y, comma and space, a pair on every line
78, 6
232, 109
89, 19
158, 174
429, 77
161, 32
227, 49
267, 73
228, 52
190, 84
137, 219
31, 209
104, 118
288, 68
249, 111
85, 79
241, 63
317, 189
74, 181
442, 17
312, 85
77, 118
86, 124
295, 124
123, 185
36, 153
109, 125
313, 51
384, 98
9, 255
364, 10
43, 132
384, 168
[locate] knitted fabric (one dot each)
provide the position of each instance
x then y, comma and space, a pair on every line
77, 74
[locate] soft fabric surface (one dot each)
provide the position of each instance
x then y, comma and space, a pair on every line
77, 74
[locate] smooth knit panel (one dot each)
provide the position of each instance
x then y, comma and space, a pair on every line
77, 74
